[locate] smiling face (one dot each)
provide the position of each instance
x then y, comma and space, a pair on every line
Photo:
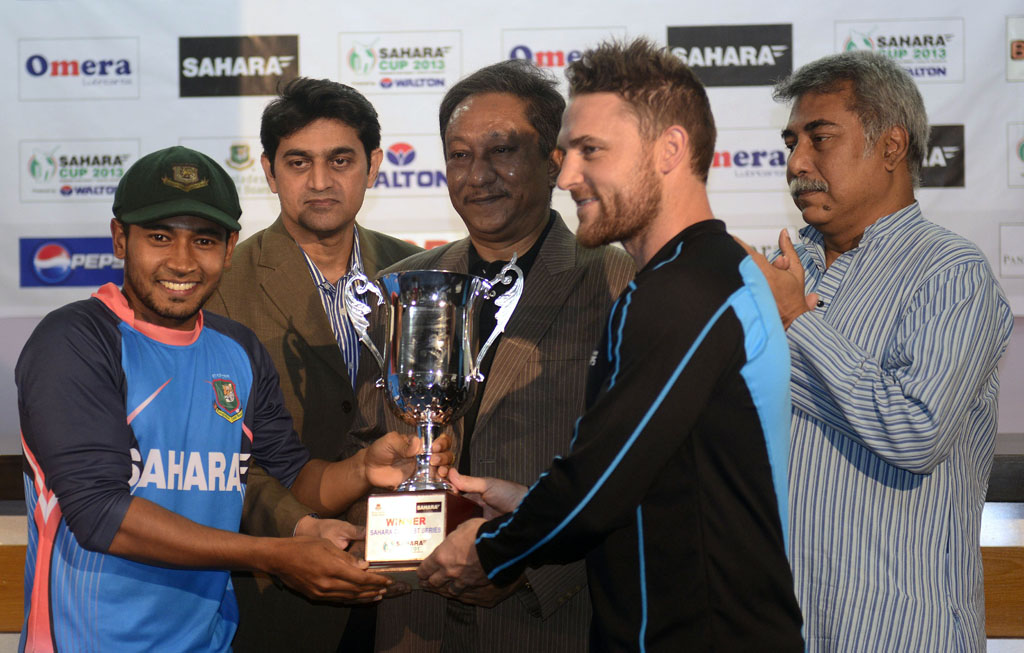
171, 267
498, 180
608, 169
320, 175
838, 184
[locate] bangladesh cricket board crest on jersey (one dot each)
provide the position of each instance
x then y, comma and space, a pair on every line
225, 400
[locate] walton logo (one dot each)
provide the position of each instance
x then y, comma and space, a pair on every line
401, 154
545, 58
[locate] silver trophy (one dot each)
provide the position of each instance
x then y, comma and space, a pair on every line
431, 366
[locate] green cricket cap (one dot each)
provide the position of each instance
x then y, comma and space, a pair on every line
177, 181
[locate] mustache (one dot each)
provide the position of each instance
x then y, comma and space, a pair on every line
804, 185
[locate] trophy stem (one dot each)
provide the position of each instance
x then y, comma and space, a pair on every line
421, 480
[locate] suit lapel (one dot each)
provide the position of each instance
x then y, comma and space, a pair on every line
285, 278
553, 276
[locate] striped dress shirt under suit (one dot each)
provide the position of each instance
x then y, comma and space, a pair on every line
332, 296
894, 389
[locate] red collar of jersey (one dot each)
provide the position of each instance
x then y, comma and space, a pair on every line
112, 298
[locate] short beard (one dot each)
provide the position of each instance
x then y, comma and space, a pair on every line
175, 312
626, 212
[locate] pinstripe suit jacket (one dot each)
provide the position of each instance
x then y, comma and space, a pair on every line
532, 398
269, 289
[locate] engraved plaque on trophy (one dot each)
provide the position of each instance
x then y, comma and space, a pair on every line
431, 369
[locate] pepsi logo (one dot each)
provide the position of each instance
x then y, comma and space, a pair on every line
52, 262
386, 82
401, 154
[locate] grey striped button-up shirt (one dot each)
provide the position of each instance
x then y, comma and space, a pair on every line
894, 389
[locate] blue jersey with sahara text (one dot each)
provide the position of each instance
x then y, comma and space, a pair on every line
113, 408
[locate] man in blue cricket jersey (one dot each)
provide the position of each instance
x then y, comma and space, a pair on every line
895, 328
674, 490
140, 415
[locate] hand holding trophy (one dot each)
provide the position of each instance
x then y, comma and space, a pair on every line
431, 369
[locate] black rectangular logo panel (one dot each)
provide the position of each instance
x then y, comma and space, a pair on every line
735, 55
944, 158
236, 65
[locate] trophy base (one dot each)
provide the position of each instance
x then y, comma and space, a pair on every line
403, 528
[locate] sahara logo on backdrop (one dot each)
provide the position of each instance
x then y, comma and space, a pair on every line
48, 262
78, 69
82, 170
400, 62
735, 55
240, 158
236, 65
1015, 48
944, 157
413, 165
748, 160
930, 50
555, 48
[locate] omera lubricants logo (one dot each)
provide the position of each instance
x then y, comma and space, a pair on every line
555, 48
236, 65
735, 55
76, 69
930, 50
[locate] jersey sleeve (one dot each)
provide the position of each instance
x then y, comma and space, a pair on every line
275, 445
74, 426
662, 372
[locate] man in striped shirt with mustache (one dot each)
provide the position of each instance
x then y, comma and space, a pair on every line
895, 327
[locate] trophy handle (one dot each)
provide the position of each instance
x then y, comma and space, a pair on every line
506, 303
357, 310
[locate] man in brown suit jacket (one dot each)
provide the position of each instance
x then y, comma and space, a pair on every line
499, 127
321, 151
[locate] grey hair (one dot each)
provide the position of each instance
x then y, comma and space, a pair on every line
884, 96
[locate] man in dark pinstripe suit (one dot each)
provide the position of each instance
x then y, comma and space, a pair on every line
499, 128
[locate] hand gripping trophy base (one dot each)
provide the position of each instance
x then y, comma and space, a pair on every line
421, 479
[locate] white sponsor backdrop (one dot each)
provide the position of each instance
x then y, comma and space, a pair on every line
92, 86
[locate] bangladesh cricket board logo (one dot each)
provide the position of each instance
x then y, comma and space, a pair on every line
225, 400
240, 157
